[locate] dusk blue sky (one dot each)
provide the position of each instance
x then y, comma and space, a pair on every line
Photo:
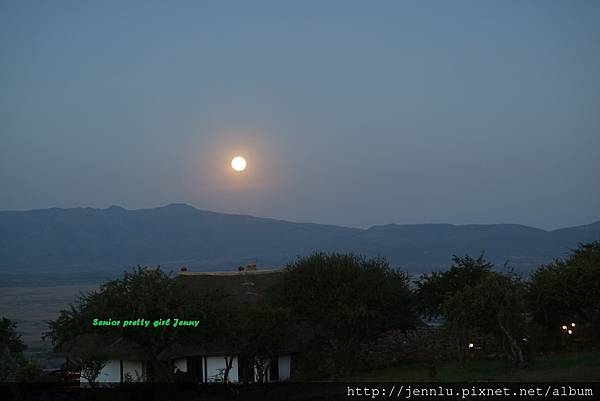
349, 112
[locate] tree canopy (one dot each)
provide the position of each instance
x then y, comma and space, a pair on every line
434, 289
475, 299
348, 298
147, 293
568, 291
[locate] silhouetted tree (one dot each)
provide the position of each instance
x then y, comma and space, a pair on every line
148, 293
495, 305
349, 298
11, 350
472, 298
434, 289
566, 291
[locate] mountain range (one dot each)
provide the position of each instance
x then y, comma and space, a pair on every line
88, 239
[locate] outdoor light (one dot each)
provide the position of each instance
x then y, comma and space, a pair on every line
471, 345
570, 331
564, 327
573, 324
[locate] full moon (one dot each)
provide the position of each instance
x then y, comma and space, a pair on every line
238, 163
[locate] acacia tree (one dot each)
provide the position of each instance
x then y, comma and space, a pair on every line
473, 298
435, 288
567, 291
151, 294
349, 299
496, 305
148, 293
440, 293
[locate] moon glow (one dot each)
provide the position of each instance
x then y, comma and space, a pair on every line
238, 163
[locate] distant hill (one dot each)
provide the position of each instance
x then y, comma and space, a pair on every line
86, 239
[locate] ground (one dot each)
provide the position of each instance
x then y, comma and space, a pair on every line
581, 366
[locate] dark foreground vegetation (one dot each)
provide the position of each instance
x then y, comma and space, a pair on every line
550, 367
355, 318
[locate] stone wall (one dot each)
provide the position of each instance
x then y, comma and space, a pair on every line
424, 344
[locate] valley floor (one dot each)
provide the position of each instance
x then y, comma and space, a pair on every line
31, 307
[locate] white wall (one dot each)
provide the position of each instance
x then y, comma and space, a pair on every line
285, 362
111, 373
214, 363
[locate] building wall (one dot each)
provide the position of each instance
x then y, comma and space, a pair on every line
285, 363
111, 373
215, 363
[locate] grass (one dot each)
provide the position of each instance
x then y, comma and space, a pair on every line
580, 366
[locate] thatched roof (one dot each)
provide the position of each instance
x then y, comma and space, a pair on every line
245, 287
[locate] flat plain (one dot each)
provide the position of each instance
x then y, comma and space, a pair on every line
32, 306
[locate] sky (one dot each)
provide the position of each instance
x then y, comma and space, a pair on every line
353, 113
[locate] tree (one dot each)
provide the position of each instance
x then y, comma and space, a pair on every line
439, 293
265, 329
436, 288
254, 333
495, 306
30, 372
471, 297
90, 366
349, 299
148, 293
566, 291
11, 350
